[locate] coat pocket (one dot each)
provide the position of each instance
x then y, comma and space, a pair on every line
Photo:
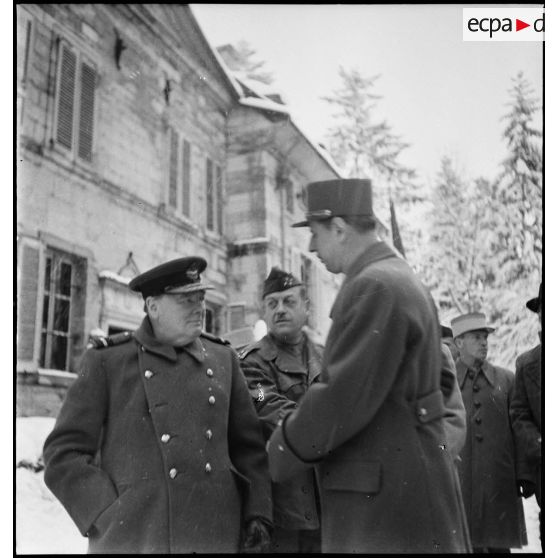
353, 476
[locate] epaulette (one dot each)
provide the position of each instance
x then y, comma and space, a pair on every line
214, 338
248, 349
110, 341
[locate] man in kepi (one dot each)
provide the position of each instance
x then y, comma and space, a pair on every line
525, 412
279, 368
373, 425
157, 448
487, 468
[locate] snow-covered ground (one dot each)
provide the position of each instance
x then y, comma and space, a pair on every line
44, 527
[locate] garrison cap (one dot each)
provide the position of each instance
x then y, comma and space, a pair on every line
337, 198
279, 280
473, 321
534, 304
177, 276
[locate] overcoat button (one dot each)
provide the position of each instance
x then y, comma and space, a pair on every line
172, 473
477, 403
209, 372
422, 412
165, 438
478, 420
211, 400
148, 374
476, 387
479, 437
208, 434
143, 349
471, 374
208, 468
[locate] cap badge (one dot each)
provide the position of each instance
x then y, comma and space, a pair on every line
192, 274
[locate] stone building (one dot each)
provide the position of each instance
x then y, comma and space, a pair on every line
136, 145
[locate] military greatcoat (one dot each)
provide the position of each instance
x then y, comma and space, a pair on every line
526, 417
373, 426
277, 381
158, 449
487, 468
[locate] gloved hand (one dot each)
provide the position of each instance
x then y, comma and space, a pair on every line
256, 538
526, 488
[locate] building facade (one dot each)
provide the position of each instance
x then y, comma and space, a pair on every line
135, 146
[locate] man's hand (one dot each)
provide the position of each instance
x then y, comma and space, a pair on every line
526, 488
256, 537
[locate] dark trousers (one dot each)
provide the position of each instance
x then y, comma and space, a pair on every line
296, 541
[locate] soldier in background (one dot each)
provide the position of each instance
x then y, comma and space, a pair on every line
279, 369
526, 416
157, 447
487, 467
449, 342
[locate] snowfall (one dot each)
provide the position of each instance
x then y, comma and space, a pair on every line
44, 527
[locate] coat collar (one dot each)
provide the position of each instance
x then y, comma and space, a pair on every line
146, 338
374, 253
486, 368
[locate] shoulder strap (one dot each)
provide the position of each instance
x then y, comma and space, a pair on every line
100, 342
215, 339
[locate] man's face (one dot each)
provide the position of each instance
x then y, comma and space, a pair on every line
326, 243
285, 313
450, 344
178, 317
473, 344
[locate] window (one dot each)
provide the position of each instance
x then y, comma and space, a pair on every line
214, 197
179, 174
63, 309
289, 189
75, 105
237, 318
24, 27
213, 318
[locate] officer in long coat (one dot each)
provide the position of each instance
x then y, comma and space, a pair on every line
279, 369
525, 412
157, 447
487, 469
373, 426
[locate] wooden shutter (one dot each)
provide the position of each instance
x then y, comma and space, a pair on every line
27, 302
86, 111
66, 89
219, 195
173, 167
186, 178
210, 196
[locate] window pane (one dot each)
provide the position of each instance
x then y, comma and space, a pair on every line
48, 269
61, 315
237, 317
173, 171
209, 320
86, 110
65, 284
59, 352
220, 200
209, 194
64, 133
43, 350
46, 300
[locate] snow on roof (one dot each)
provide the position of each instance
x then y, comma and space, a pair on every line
264, 104
258, 87
106, 274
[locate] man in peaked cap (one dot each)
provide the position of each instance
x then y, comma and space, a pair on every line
279, 368
373, 425
525, 412
157, 447
487, 468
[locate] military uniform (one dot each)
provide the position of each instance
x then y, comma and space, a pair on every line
277, 378
158, 449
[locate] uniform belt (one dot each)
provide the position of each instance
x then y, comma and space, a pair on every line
429, 407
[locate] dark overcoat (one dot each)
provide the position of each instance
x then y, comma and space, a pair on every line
277, 381
374, 425
181, 461
525, 413
487, 468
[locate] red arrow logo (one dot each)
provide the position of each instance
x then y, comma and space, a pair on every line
519, 25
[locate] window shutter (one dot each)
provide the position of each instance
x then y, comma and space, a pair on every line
186, 178
27, 302
66, 88
173, 170
86, 111
219, 195
209, 197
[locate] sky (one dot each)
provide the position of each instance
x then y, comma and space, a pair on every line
442, 95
